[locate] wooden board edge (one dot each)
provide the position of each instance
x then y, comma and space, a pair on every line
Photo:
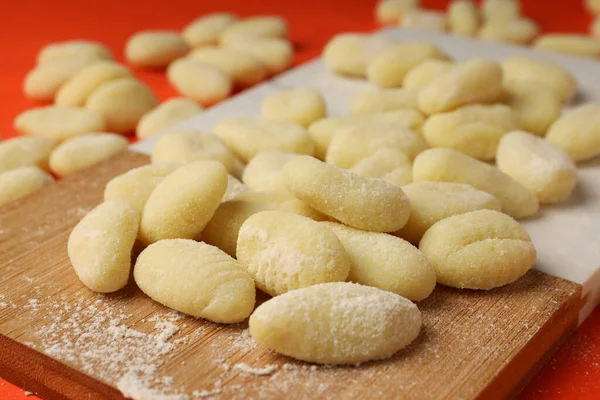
48, 378
536, 353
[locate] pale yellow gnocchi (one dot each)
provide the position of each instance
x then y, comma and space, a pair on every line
391, 165
423, 73
578, 132
25, 151
536, 105
350, 53
194, 79
302, 106
263, 172
373, 102
165, 115
20, 182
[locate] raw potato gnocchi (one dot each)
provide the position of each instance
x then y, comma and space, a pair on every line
519, 68
391, 165
388, 12
182, 204
100, 245
536, 105
474, 81
73, 49
275, 53
419, 76
421, 19
21, 182
482, 249
474, 130
351, 144
386, 262
194, 79
350, 53
260, 26
463, 18
234, 188
302, 106
578, 132
191, 145
431, 202
538, 165
247, 137
24, 152
519, 31
136, 185
244, 69
206, 30
336, 323
446, 165
77, 89
284, 251
579, 45
196, 279
373, 102
264, 171
59, 123
155, 49
388, 68
83, 151
501, 10
165, 115
122, 103
363, 203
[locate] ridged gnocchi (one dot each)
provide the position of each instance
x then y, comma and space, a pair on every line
59, 123
536, 105
350, 53
373, 102
25, 151
165, 115
391, 165
263, 172
578, 132
20, 182
302, 106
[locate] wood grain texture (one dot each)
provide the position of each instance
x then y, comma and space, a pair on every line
473, 344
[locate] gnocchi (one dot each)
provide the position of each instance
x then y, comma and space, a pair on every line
363, 203
155, 49
275, 53
100, 245
182, 203
336, 323
536, 105
284, 251
73, 49
446, 165
579, 45
244, 69
463, 18
59, 123
165, 115
25, 151
502, 10
388, 12
259, 26
302, 106
263, 172
194, 79
420, 75
350, 53
391, 165
396, 266
206, 30
20, 182
578, 132
519, 31
420, 19
196, 279
373, 102
481, 249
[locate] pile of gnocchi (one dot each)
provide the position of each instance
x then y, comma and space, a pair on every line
96, 100
346, 221
494, 20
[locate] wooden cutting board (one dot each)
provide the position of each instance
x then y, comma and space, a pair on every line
61, 340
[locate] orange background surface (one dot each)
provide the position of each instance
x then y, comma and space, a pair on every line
27, 25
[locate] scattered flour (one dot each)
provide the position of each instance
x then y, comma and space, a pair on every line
268, 370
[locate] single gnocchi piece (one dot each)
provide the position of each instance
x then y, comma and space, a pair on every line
388, 12
77, 89
481, 249
422, 19
25, 151
336, 323
83, 151
501, 10
44, 81
349, 53
536, 105
519, 31
351, 144
136, 185
431, 202
73, 49
206, 30
59, 123
244, 69
388, 68
122, 103
391, 165
420, 75
474, 81
259, 26
247, 137
21, 182
284, 251
396, 266
100, 245
578, 132
302, 106
538, 165
578, 45
155, 49
518, 69
363, 203
322, 131
463, 18
275, 53
165, 115
474, 130
182, 204
263, 172
446, 165
194, 79
191, 145
373, 102
196, 279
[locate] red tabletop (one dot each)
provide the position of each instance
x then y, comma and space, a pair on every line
27, 25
